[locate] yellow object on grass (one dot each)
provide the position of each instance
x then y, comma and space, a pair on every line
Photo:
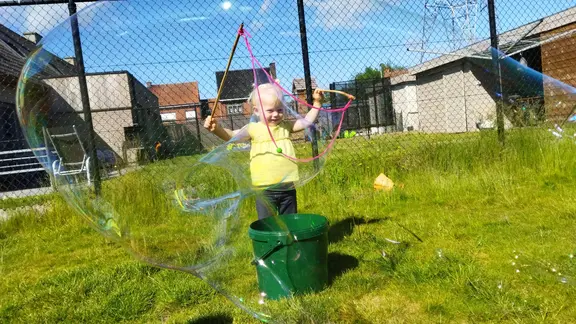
382, 182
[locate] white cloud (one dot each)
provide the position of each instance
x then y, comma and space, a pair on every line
256, 25
33, 18
38, 18
290, 33
266, 5
332, 14
192, 19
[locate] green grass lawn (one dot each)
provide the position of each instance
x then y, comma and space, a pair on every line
486, 234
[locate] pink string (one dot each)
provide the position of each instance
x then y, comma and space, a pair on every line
255, 62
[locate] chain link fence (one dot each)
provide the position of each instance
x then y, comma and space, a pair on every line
415, 67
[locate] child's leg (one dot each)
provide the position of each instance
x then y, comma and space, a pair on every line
287, 203
266, 204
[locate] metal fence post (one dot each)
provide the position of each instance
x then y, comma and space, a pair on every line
80, 70
307, 77
496, 67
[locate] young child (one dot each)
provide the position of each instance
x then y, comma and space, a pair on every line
268, 167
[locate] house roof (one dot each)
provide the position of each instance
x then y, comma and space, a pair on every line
511, 42
394, 73
176, 94
14, 50
300, 84
240, 83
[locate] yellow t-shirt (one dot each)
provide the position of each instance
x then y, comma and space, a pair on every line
267, 166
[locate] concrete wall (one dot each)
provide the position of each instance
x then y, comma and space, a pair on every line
455, 98
430, 90
481, 105
110, 103
442, 108
405, 101
106, 91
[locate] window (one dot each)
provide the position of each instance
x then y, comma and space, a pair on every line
191, 114
131, 133
168, 116
235, 109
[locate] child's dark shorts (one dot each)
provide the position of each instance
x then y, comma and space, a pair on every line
282, 198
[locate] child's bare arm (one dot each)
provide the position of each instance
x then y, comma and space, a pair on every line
311, 116
224, 133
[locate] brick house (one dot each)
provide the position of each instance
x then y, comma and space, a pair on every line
299, 91
236, 90
179, 102
181, 111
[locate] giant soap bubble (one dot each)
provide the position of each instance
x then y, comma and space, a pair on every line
126, 143
148, 175
528, 98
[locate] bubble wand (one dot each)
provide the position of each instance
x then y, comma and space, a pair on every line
238, 34
350, 97
178, 192
332, 141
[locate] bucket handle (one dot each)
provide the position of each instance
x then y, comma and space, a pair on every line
270, 251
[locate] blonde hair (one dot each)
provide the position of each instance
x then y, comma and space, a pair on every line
263, 90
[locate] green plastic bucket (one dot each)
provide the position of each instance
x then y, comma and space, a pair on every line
290, 254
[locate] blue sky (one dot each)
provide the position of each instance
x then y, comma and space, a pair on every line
177, 41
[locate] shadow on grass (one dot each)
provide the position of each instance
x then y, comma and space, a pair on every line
212, 319
345, 227
338, 264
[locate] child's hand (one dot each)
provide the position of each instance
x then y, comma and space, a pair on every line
318, 96
210, 124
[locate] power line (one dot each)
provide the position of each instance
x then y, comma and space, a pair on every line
348, 49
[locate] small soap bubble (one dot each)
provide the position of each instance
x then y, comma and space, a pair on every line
440, 253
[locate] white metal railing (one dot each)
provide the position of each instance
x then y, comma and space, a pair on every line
11, 161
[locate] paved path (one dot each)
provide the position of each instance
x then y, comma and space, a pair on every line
26, 193
7, 213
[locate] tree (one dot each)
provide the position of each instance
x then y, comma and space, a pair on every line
369, 73
374, 73
390, 67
